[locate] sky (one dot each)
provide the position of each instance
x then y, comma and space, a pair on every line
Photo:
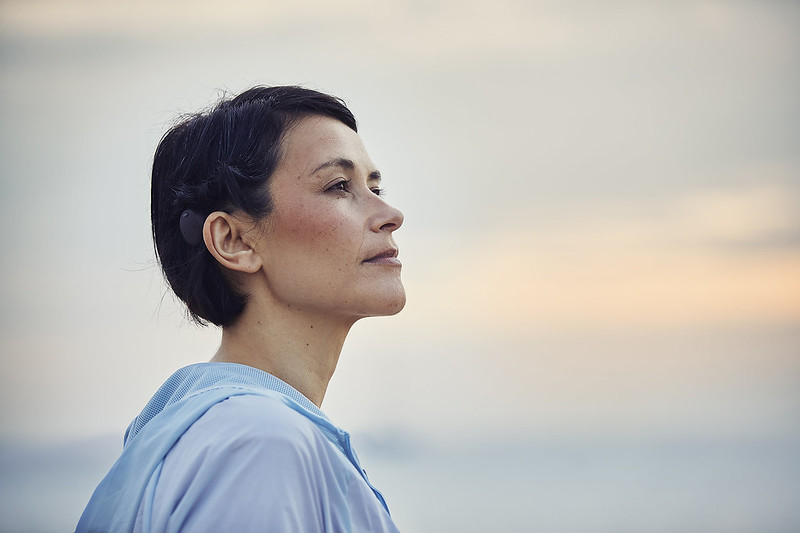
601, 237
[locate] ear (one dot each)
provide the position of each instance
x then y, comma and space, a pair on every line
227, 238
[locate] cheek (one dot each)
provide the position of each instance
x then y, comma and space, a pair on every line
313, 228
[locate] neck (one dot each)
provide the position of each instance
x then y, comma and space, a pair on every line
297, 347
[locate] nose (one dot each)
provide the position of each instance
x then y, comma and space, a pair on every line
388, 218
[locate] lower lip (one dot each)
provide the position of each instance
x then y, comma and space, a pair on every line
387, 261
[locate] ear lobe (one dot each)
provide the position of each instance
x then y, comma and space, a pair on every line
223, 236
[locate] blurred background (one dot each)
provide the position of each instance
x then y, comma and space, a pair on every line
601, 249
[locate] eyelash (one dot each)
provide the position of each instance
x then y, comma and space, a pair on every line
344, 186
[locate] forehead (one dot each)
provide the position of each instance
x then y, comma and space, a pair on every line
314, 140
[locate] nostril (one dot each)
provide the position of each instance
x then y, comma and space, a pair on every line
388, 220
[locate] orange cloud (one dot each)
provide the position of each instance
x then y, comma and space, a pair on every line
692, 264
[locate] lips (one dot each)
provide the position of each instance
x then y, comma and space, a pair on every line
386, 257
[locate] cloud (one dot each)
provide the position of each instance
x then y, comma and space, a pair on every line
758, 215
621, 266
458, 29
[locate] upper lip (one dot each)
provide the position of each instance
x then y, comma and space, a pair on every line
389, 252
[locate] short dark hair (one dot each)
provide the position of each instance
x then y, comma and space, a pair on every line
221, 160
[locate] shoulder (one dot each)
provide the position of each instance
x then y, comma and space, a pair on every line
253, 415
248, 460
260, 423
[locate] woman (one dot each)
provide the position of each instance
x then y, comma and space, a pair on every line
268, 221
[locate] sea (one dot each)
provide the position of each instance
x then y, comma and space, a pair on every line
484, 484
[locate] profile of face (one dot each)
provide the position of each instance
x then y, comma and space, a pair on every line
327, 246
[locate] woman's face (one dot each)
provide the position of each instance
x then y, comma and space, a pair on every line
328, 246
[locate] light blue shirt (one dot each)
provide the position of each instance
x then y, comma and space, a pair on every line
227, 447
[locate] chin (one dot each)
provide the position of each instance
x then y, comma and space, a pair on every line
397, 305
386, 304
397, 301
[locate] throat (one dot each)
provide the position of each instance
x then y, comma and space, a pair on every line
303, 355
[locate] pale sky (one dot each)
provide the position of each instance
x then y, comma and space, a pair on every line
602, 227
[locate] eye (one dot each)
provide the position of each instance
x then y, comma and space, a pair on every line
377, 191
340, 186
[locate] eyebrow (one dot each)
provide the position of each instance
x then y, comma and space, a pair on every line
346, 164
